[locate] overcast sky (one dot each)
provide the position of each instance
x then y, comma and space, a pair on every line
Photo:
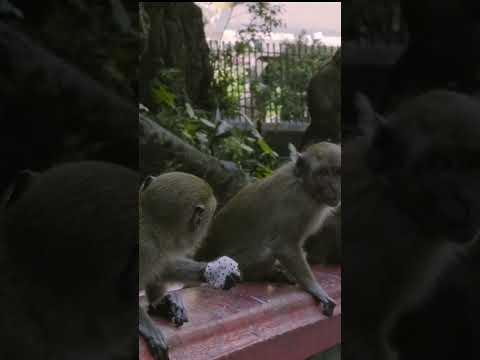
311, 16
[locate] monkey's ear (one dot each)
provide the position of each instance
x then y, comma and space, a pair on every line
368, 120
293, 152
197, 217
301, 166
383, 144
148, 180
22, 181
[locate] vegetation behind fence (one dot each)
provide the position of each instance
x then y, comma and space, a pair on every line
265, 83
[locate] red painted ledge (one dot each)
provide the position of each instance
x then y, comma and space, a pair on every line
254, 321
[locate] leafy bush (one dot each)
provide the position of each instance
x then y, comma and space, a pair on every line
228, 81
279, 92
283, 83
245, 146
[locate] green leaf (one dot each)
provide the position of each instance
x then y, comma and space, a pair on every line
190, 111
207, 123
202, 137
262, 171
247, 148
264, 146
186, 135
162, 96
190, 127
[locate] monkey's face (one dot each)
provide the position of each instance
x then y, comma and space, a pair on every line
320, 168
428, 152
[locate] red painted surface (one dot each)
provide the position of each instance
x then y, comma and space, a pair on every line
254, 321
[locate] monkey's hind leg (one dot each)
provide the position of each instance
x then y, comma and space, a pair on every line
293, 258
169, 306
153, 336
280, 274
257, 267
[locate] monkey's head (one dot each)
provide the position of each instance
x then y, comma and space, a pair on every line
179, 204
319, 167
427, 154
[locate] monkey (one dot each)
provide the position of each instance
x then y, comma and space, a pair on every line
432, 330
324, 103
269, 220
69, 263
325, 246
176, 210
410, 183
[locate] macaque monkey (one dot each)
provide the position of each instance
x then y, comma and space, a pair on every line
175, 212
411, 184
69, 263
324, 99
269, 220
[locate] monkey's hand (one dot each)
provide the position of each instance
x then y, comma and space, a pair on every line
328, 306
222, 273
170, 306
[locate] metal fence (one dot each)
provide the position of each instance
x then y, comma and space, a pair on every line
265, 83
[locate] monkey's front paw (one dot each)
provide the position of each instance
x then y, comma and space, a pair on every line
171, 306
328, 306
222, 273
158, 352
157, 345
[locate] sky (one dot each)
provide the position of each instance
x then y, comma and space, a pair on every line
311, 16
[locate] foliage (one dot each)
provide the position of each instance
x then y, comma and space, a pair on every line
206, 131
230, 79
281, 89
264, 19
168, 88
228, 82
283, 83
245, 147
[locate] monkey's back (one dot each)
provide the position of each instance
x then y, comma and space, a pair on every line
73, 210
393, 236
167, 204
71, 244
254, 220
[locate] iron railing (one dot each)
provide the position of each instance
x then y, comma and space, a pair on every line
267, 82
